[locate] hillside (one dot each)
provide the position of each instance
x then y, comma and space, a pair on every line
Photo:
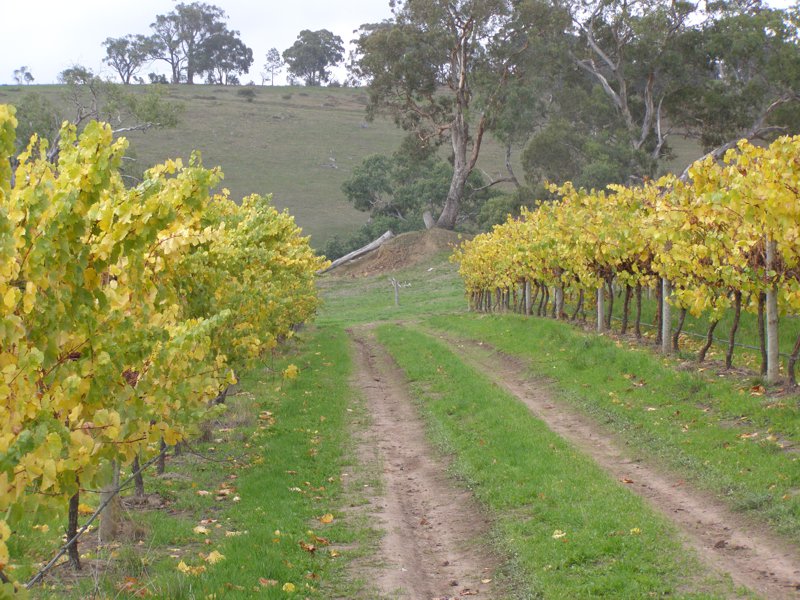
297, 143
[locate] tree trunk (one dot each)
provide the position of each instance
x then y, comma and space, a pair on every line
610, 311
626, 308
554, 310
762, 339
677, 336
542, 302
792, 362
109, 520
72, 530
579, 306
773, 354
528, 298
459, 129
638, 324
666, 316
138, 480
737, 312
701, 356
161, 463
373, 245
601, 324
659, 313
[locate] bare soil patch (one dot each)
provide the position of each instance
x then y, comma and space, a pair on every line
725, 541
435, 544
405, 250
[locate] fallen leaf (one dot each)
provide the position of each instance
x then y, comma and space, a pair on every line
187, 570
558, 534
200, 530
308, 547
267, 582
326, 518
625, 479
214, 557
288, 587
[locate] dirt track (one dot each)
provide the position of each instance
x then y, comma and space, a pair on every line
723, 540
434, 545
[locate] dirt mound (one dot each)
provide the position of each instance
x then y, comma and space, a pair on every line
405, 250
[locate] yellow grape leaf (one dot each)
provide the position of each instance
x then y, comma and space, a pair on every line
187, 570
290, 372
85, 509
288, 587
214, 557
326, 518
200, 530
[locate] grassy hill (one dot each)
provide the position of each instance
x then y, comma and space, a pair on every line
296, 143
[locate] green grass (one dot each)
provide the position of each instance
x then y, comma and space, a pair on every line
698, 424
572, 531
286, 475
432, 287
746, 334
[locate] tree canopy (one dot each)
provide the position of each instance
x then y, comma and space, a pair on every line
422, 68
313, 54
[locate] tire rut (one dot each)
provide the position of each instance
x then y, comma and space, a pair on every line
722, 540
435, 541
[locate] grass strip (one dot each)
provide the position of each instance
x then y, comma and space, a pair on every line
720, 434
264, 492
572, 530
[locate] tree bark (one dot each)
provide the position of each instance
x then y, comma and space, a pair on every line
638, 322
601, 324
161, 463
666, 316
659, 313
762, 339
610, 311
626, 308
773, 355
138, 480
701, 356
459, 128
579, 305
72, 530
109, 520
358, 253
528, 298
737, 312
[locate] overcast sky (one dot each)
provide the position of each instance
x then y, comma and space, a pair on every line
48, 36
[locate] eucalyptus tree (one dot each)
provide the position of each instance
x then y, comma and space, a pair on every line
127, 55
312, 55
274, 65
422, 67
179, 37
224, 57
747, 77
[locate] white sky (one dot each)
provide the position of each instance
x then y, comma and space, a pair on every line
48, 36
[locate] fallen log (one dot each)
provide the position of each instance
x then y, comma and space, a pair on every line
373, 245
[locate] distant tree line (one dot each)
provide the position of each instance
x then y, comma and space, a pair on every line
195, 41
